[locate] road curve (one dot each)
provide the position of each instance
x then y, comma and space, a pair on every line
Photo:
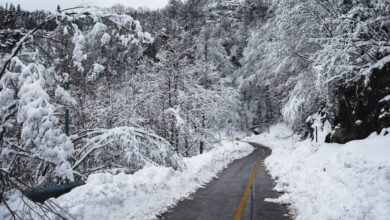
232, 196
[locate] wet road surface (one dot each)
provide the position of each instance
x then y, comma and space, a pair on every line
238, 193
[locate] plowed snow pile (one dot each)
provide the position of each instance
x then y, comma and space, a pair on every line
151, 190
330, 181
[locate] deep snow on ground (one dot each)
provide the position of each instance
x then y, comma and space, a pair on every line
330, 181
149, 191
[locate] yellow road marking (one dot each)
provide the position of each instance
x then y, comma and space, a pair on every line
244, 199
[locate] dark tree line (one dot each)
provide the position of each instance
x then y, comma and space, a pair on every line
15, 22
14, 17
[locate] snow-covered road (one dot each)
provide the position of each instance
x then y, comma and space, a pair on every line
231, 196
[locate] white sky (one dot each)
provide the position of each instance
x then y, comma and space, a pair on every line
51, 5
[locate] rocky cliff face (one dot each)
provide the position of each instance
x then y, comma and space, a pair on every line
363, 106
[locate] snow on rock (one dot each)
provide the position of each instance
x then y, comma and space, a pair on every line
330, 181
385, 99
379, 65
151, 190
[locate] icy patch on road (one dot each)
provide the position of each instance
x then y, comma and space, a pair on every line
330, 181
150, 191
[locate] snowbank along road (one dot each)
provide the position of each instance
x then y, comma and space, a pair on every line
238, 193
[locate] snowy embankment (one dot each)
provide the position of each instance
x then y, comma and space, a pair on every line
330, 181
150, 191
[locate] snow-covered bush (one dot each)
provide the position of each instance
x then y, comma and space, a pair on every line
33, 147
122, 148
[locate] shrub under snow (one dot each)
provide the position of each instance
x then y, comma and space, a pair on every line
125, 148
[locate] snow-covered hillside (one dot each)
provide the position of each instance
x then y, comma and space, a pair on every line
330, 181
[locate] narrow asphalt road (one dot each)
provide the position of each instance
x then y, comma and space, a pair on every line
238, 193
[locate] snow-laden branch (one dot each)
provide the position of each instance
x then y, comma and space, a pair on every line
132, 148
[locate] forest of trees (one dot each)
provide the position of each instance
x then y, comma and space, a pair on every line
13, 17
14, 23
88, 89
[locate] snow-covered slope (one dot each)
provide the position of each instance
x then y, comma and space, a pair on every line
330, 181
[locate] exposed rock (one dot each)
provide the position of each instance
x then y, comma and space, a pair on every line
361, 109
